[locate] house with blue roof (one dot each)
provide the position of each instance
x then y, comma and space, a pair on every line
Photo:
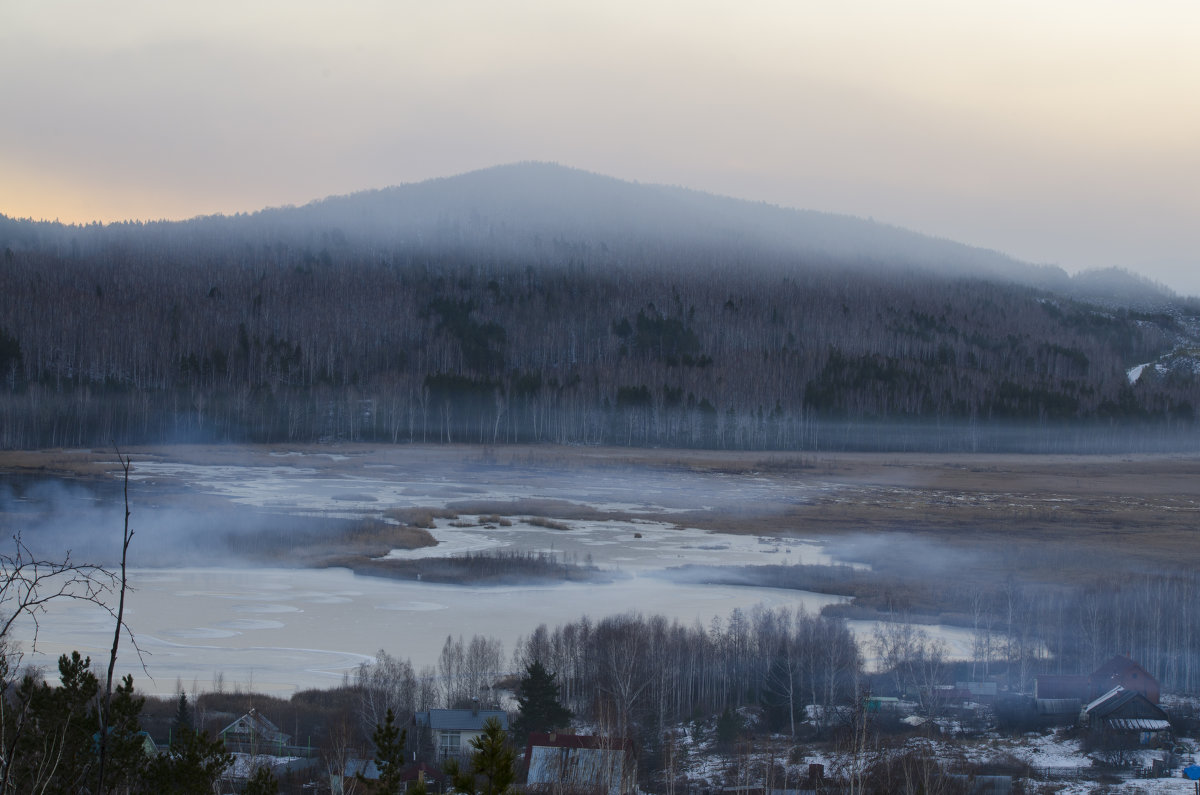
447, 733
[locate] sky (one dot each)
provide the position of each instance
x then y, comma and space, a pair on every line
1057, 131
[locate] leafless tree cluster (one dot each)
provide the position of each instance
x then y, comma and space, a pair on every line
642, 675
468, 671
1022, 629
1149, 617
154, 336
41, 730
390, 683
29, 583
1020, 625
638, 676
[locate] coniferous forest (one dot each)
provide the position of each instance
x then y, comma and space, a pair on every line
538, 304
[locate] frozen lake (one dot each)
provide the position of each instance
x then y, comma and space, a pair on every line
281, 629
278, 629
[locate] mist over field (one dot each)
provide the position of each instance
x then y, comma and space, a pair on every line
939, 541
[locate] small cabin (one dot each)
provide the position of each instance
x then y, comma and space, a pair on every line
1128, 713
253, 733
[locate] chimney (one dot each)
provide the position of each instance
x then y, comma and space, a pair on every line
474, 706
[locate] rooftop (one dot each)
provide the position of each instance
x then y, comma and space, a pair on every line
459, 719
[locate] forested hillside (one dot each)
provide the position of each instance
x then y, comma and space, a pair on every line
468, 311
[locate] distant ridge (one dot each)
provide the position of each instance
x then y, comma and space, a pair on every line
516, 202
536, 210
537, 303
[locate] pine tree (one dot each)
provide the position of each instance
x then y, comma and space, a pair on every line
126, 757
191, 766
728, 727
183, 714
540, 709
76, 711
389, 755
493, 764
49, 732
262, 783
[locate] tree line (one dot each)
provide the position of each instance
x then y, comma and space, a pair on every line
632, 676
1020, 625
638, 675
154, 337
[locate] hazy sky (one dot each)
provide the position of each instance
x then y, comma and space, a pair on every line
1060, 131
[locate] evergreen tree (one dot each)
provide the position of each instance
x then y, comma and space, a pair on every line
126, 757
183, 714
493, 764
389, 756
537, 697
75, 709
52, 730
728, 727
51, 734
191, 766
262, 783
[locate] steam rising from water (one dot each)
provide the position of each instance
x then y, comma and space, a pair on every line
273, 628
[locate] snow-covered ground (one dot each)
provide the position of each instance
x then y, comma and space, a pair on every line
1060, 766
1134, 373
301, 485
1141, 786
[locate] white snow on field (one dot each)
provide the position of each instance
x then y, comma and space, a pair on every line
1141, 786
245, 765
374, 488
1045, 751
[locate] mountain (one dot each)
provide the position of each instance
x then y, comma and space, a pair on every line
515, 205
534, 302
533, 211
525, 206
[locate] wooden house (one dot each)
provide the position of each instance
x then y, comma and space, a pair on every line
253, 733
1127, 713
